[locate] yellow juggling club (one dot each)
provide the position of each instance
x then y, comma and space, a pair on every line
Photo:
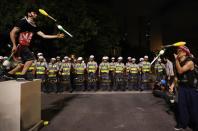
43, 12
181, 43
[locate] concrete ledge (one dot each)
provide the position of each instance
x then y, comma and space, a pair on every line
20, 105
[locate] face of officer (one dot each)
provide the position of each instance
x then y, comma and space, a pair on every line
58, 60
66, 60
41, 60
79, 61
91, 59
145, 59
53, 61
105, 60
119, 61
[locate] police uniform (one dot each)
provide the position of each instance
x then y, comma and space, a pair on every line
65, 73
79, 80
59, 63
128, 77
104, 69
140, 73
58, 76
92, 76
133, 76
52, 77
112, 73
146, 69
31, 71
41, 74
159, 69
119, 76
18, 74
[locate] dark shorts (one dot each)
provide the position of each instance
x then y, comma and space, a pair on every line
25, 54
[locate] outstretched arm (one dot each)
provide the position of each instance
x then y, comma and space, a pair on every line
40, 33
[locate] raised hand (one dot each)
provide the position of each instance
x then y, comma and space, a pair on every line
60, 35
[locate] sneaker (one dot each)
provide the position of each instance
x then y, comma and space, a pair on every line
178, 128
8, 76
21, 78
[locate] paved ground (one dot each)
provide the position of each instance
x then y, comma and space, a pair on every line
103, 111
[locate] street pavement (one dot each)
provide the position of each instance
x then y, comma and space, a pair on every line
106, 111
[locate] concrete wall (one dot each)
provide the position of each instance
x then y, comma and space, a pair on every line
20, 105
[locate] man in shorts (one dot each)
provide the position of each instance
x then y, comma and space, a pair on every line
22, 33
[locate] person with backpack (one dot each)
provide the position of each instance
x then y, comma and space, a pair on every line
187, 89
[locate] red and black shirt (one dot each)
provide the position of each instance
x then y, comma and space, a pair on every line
26, 32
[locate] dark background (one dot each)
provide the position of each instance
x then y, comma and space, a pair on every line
107, 27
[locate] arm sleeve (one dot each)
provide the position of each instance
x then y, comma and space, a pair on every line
20, 23
38, 28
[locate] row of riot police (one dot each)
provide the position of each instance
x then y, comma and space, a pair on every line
68, 74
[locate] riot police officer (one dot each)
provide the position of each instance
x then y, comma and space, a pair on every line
65, 75
58, 61
159, 70
104, 69
31, 71
119, 75
92, 67
112, 65
52, 76
79, 70
41, 68
146, 70
141, 60
133, 75
128, 65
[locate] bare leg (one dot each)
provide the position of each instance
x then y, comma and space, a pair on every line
17, 68
26, 66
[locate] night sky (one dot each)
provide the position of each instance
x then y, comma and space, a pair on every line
145, 25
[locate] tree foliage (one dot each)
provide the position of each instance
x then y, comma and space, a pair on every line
93, 25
